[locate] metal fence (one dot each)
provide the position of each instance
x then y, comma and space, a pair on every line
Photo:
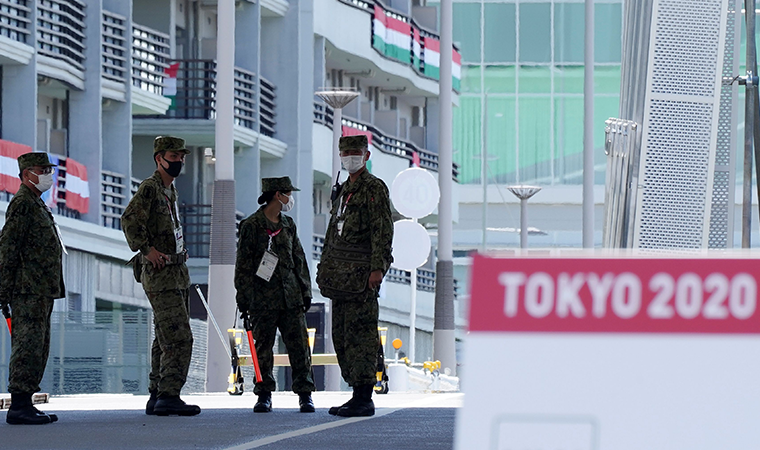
105, 352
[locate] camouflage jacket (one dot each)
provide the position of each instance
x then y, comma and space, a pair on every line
290, 282
365, 211
30, 250
147, 222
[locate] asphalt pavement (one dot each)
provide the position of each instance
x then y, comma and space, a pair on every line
402, 421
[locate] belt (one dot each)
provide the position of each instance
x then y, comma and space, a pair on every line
174, 259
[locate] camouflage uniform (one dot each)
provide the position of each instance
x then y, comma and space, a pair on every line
149, 221
365, 211
279, 302
31, 271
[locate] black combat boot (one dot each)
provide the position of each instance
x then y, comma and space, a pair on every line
362, 404
172, 405
151, 403
264, 404
305, 402
334, 409
22, 412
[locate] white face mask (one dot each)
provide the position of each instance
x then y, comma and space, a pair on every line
289, 205
44, 182
353, 163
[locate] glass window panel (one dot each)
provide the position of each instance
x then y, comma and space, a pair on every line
534, 139
501, 140
535, 80
607, 80
568, 139
607, 32
569, 29
467, 134
467, 30
470, 79
500, 37
535, 32
569, 79
500, 79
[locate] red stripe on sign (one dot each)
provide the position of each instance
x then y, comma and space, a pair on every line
433, 44
626, 295
9, 180
456, 57
398, 25
416, 35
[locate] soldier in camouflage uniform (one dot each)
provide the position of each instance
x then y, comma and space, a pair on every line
31, 271
152, 226
356, 256
280, 297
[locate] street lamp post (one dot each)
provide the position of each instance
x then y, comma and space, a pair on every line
524, 193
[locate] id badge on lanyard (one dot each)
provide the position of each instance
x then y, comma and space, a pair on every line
269, 260
179, 237
341, 212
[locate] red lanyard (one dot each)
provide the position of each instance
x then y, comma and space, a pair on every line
273, 233
343, 206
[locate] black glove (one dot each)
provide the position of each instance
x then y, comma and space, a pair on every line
6, 309
244, 316
306, 303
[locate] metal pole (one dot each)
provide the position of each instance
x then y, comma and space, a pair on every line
413, 315
523, 223
337, 131
221, 272
484, 172
588, 129
444, 338
749, 112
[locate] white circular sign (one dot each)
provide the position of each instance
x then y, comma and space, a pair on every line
415, 193
411, 245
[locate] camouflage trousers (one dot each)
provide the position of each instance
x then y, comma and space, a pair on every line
173, 346
292, 325
30, 342
354, 334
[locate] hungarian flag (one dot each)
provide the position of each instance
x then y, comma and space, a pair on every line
50, 197
432, 55
9, 153
170, 84
77, 188
392, 37
416, 49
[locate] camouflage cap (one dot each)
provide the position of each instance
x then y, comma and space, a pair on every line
32, 159
352, 142
169, 144
281, 184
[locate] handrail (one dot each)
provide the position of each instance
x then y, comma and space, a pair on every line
61, 30
391, 145
113, 196
15, 20
196, 90
150, 55
114, 47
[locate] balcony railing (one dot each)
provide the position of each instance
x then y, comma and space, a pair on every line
150, 55
61, 30
114, 47
196, 88
425, 277
113, 198
196, 226
387, 144
15, 20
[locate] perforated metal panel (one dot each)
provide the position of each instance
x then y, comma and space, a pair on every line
677, 164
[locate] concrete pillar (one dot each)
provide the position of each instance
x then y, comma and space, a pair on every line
432, 114
248, 176
86, 110
19, 99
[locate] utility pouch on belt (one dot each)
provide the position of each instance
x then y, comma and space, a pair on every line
343, 270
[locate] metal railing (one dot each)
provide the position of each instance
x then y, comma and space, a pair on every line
113, 198
150, 55
114, 47
196, 226
196, 88
16, 20
391, 145
61, 30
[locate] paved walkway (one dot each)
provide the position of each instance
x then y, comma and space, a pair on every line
402, 421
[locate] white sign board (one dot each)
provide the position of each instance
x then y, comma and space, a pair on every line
411, 245
612, 354
415, 193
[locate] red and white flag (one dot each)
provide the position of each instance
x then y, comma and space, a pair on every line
77, 189
9, 153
